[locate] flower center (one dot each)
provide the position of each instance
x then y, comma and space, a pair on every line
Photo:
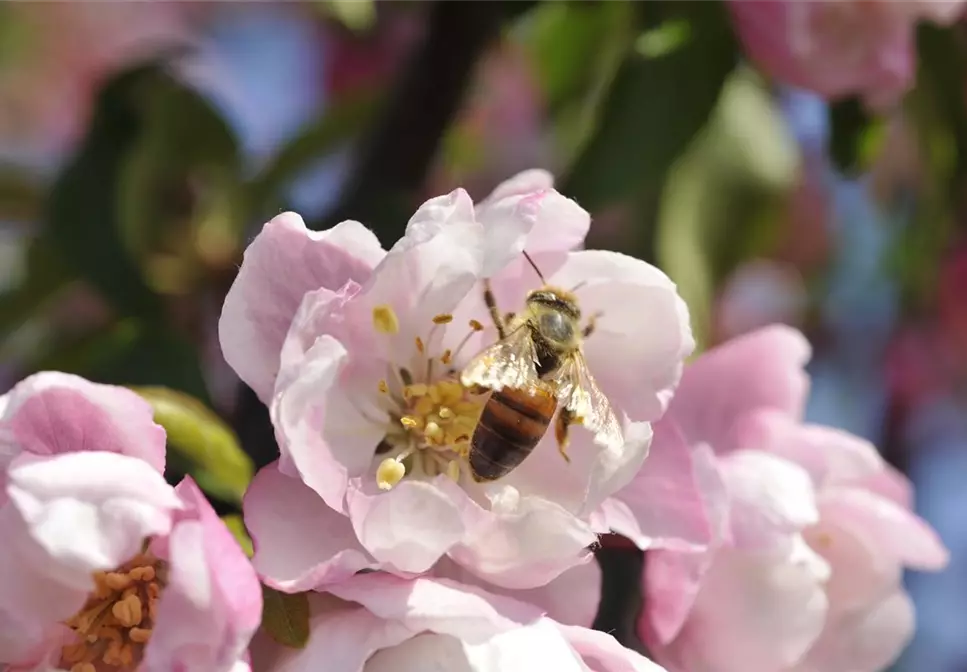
116, 622
431, 416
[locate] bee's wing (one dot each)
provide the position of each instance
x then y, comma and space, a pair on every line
511, 362
580, 394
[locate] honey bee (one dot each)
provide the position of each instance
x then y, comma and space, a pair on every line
536, 367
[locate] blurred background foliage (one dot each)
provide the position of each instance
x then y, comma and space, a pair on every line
142, 145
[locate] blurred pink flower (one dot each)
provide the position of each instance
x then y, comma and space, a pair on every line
62, 51
339, 338
81, 469
815, 530
839, 47
377, 622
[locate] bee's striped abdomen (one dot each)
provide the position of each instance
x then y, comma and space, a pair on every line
511, 425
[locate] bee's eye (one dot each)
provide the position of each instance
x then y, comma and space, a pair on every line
556, 327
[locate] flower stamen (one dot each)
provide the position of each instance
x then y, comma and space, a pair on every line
385, 320
117, 620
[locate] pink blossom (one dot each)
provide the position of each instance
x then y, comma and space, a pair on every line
806, 573
357, 350
839, 47
377, 622
89, 524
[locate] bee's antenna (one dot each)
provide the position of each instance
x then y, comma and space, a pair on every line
534, 266
579, 285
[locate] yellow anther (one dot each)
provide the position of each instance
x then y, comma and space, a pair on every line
116, 581
389, 473
139, 635
385, 320
414, 390
443, 318
451, 391
445, 357
476, 326
83, 667
411, 422
128, 611
142, 573
424, 406
433, 431
467, 408
453, 470
435, 394
445, 413
420, 348
383, 387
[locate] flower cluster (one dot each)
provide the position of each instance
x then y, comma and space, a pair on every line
771, 544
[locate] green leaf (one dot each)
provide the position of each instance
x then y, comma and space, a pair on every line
178, 192
720, 202
82, 213
285, 617
202, 441
342, 121
661, 97
357, 15
43, 277
236, 526
855, 136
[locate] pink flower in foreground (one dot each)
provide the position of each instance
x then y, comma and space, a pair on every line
103, 561
380, 623
357, 351
839, 47
816, 529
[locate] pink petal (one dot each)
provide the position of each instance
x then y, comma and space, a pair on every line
571, 598
437, 605
89, 511
602, 652
212, 604
663, 506
671, 581
762, 369
870, 639
523, 542
524, 182
890, 484
896, 532
772, 498
50, 413
553, 223
407, 528
830, 455
753, 612
342, 638
635, 355
285, 261
321, 433
300, 543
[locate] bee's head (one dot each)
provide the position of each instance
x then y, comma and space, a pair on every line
556, 314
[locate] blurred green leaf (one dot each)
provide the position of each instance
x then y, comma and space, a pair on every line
285, 617
236, 526
659, 100
82, 214
179, 186
341, 121
566, 40
855, 136
44, 275
21, 195
721, 199
357, 15
200, 438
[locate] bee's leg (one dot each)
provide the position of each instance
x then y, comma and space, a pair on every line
494, 312
591, 325
564, 420
508, 318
